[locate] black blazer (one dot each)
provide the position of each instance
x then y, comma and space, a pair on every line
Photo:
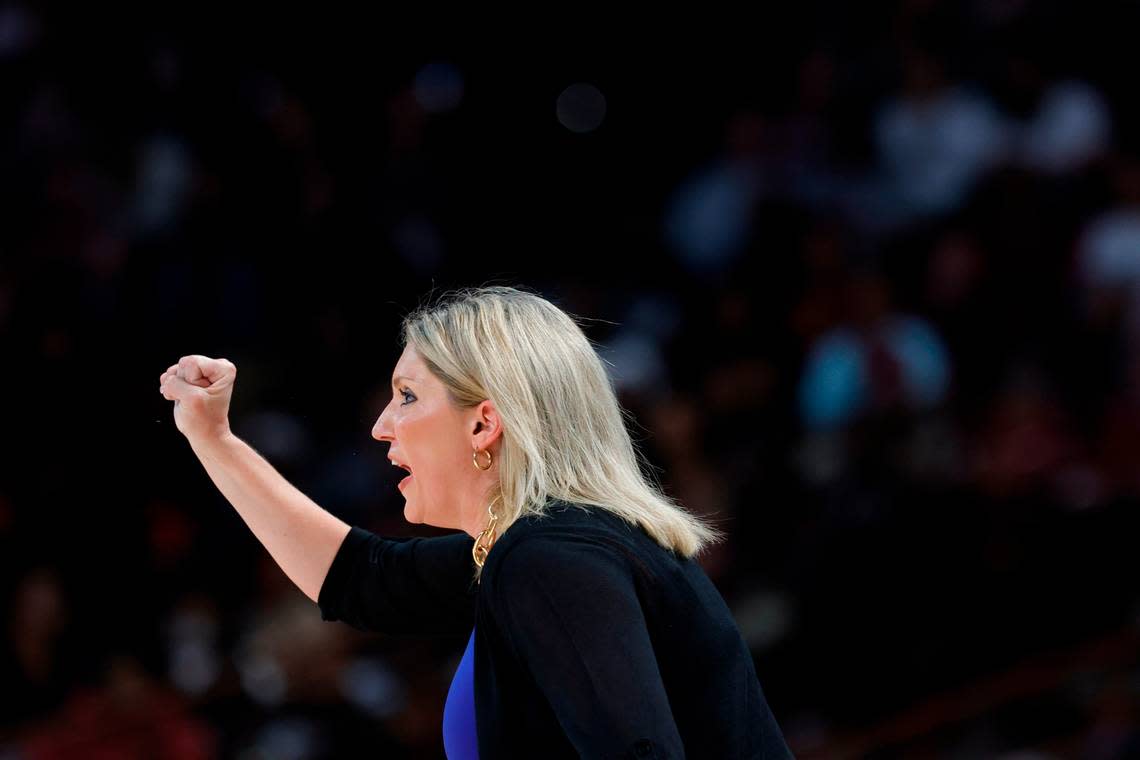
592, 640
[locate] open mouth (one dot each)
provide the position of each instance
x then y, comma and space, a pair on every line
404, 482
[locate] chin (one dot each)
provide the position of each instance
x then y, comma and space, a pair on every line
411, 515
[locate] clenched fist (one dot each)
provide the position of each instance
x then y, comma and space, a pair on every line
200, 388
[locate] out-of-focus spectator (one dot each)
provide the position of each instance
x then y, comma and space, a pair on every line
710, 218
1108, 255
1058, 122
34, 668
634, 351
1070, 128
878, 361
1025, 439
130, 716
934, 140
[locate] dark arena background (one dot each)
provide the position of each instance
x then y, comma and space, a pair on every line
867, 279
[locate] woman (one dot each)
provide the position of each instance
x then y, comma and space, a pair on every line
593, 632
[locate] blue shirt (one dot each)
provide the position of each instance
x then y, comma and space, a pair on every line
460, 741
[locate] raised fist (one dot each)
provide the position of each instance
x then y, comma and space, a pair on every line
200, 388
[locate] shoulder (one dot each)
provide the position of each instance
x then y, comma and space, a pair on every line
572, 542
551, 579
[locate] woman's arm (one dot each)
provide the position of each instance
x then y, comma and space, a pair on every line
402, 586
300, 536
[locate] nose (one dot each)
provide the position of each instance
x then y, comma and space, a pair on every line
382, 430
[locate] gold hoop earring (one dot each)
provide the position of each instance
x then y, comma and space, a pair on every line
475, 459
479, 551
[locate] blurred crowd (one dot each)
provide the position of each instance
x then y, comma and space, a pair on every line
871, 295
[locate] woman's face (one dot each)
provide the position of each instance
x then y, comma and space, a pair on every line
433, 439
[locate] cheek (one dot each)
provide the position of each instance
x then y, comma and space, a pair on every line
433, 441
419, 443
405, 428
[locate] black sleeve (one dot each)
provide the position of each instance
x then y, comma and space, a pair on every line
402, 586
572, 614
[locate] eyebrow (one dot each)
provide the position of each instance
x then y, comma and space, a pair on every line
403, 377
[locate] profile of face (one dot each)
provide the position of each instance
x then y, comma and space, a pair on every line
433, 439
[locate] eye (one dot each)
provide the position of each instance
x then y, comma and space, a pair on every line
408, 396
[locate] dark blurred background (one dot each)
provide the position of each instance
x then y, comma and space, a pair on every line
868, 279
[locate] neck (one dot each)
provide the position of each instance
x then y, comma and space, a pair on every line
474, 516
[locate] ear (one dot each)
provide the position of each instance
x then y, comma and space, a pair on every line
485, 425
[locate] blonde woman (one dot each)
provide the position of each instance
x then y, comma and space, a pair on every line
593, 632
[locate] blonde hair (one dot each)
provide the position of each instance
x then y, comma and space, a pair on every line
564, 436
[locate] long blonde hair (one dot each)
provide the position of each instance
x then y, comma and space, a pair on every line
564, 436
